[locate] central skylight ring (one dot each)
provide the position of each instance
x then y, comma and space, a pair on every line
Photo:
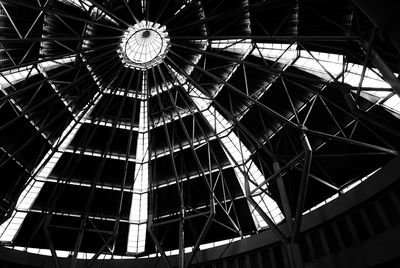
144, 45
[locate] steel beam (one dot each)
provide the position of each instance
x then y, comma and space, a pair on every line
50, 242
368, 117
201, 236
383, 68
353, 142
284, 197
181, 237
303, 187
275, 38
156, 242
384, 15
275, 229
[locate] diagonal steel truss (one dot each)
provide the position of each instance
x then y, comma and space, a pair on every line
226, 127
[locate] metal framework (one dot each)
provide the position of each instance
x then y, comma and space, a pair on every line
234, 121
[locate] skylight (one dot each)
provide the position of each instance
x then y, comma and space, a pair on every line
283, 53
13, 76
325, 65
240, 46
193, 115
144, 45
329, 66
87, 6
393, 103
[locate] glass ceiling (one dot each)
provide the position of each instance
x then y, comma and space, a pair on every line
321, 64
148, 47
144, 45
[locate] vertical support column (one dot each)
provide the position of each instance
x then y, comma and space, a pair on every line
294, 253
303, 187
284, 198
138, 212
181, 261
292, 248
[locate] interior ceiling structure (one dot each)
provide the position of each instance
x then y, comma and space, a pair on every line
126, 124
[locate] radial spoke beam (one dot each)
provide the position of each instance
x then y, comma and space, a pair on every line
25, 201
10, 228
138, 215
237, 154
239, 92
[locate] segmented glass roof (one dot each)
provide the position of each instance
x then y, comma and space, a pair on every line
144, 45
151, 115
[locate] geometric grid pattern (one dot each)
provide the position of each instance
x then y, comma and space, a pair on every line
253, 99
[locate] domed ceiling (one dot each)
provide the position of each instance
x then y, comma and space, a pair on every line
136, 127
